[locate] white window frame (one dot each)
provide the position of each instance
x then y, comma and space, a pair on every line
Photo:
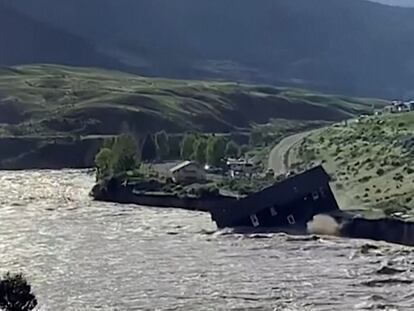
291, 219
254, 220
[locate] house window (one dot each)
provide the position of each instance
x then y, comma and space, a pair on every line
291, 220
255, 220
315, 195
273, 211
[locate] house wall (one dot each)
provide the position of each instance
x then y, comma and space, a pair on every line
298, 212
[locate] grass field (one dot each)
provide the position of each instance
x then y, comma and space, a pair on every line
371, 161
47, 99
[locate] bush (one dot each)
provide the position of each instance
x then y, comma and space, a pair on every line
203, 192
364, 179
398, 177
15, 293
380, 172
409, 170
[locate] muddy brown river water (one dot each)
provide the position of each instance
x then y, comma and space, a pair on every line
84, 255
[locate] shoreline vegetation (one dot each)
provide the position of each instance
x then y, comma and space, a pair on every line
16, 293
58, 117
141, 169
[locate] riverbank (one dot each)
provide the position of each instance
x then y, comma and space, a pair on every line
48, 152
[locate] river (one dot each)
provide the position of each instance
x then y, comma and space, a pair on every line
84, 255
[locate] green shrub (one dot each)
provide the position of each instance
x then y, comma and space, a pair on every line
380, 172
16, 294
364, 179
398, 177
409, 170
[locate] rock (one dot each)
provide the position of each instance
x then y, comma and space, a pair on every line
376, 283
367, 247
388, 270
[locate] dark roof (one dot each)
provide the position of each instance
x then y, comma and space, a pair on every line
279, 194
181, 166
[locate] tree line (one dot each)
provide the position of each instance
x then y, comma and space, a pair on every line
123, 153
203, 148
209, 149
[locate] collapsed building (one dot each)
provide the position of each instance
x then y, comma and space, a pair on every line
290, 205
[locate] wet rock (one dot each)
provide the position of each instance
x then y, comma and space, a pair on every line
259, 236
303, 239
366, 248
378, 283
389, 271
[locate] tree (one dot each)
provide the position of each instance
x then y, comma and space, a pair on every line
174, 144
163, 146
104, 161
117, 155
15, 293
232, 149
124, 154
149, 149
256, 137
216, 147
200, 150
187, 146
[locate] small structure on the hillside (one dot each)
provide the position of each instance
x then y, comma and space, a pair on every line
291, 203
399, 106
239, 167
410, 105
188, 172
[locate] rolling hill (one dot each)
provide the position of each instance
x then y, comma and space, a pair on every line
49, 99
353, 47
57, 116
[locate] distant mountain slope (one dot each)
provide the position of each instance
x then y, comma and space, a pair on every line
354, 47
57, 99
57, 116
407, 3
24, 40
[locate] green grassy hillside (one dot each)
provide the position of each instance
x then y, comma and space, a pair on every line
50, 100
372, 162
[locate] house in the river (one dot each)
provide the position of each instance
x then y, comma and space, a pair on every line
291, 203
188, 172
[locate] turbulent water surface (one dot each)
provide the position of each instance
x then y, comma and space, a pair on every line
85, 255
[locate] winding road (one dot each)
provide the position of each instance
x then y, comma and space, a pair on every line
278, 155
